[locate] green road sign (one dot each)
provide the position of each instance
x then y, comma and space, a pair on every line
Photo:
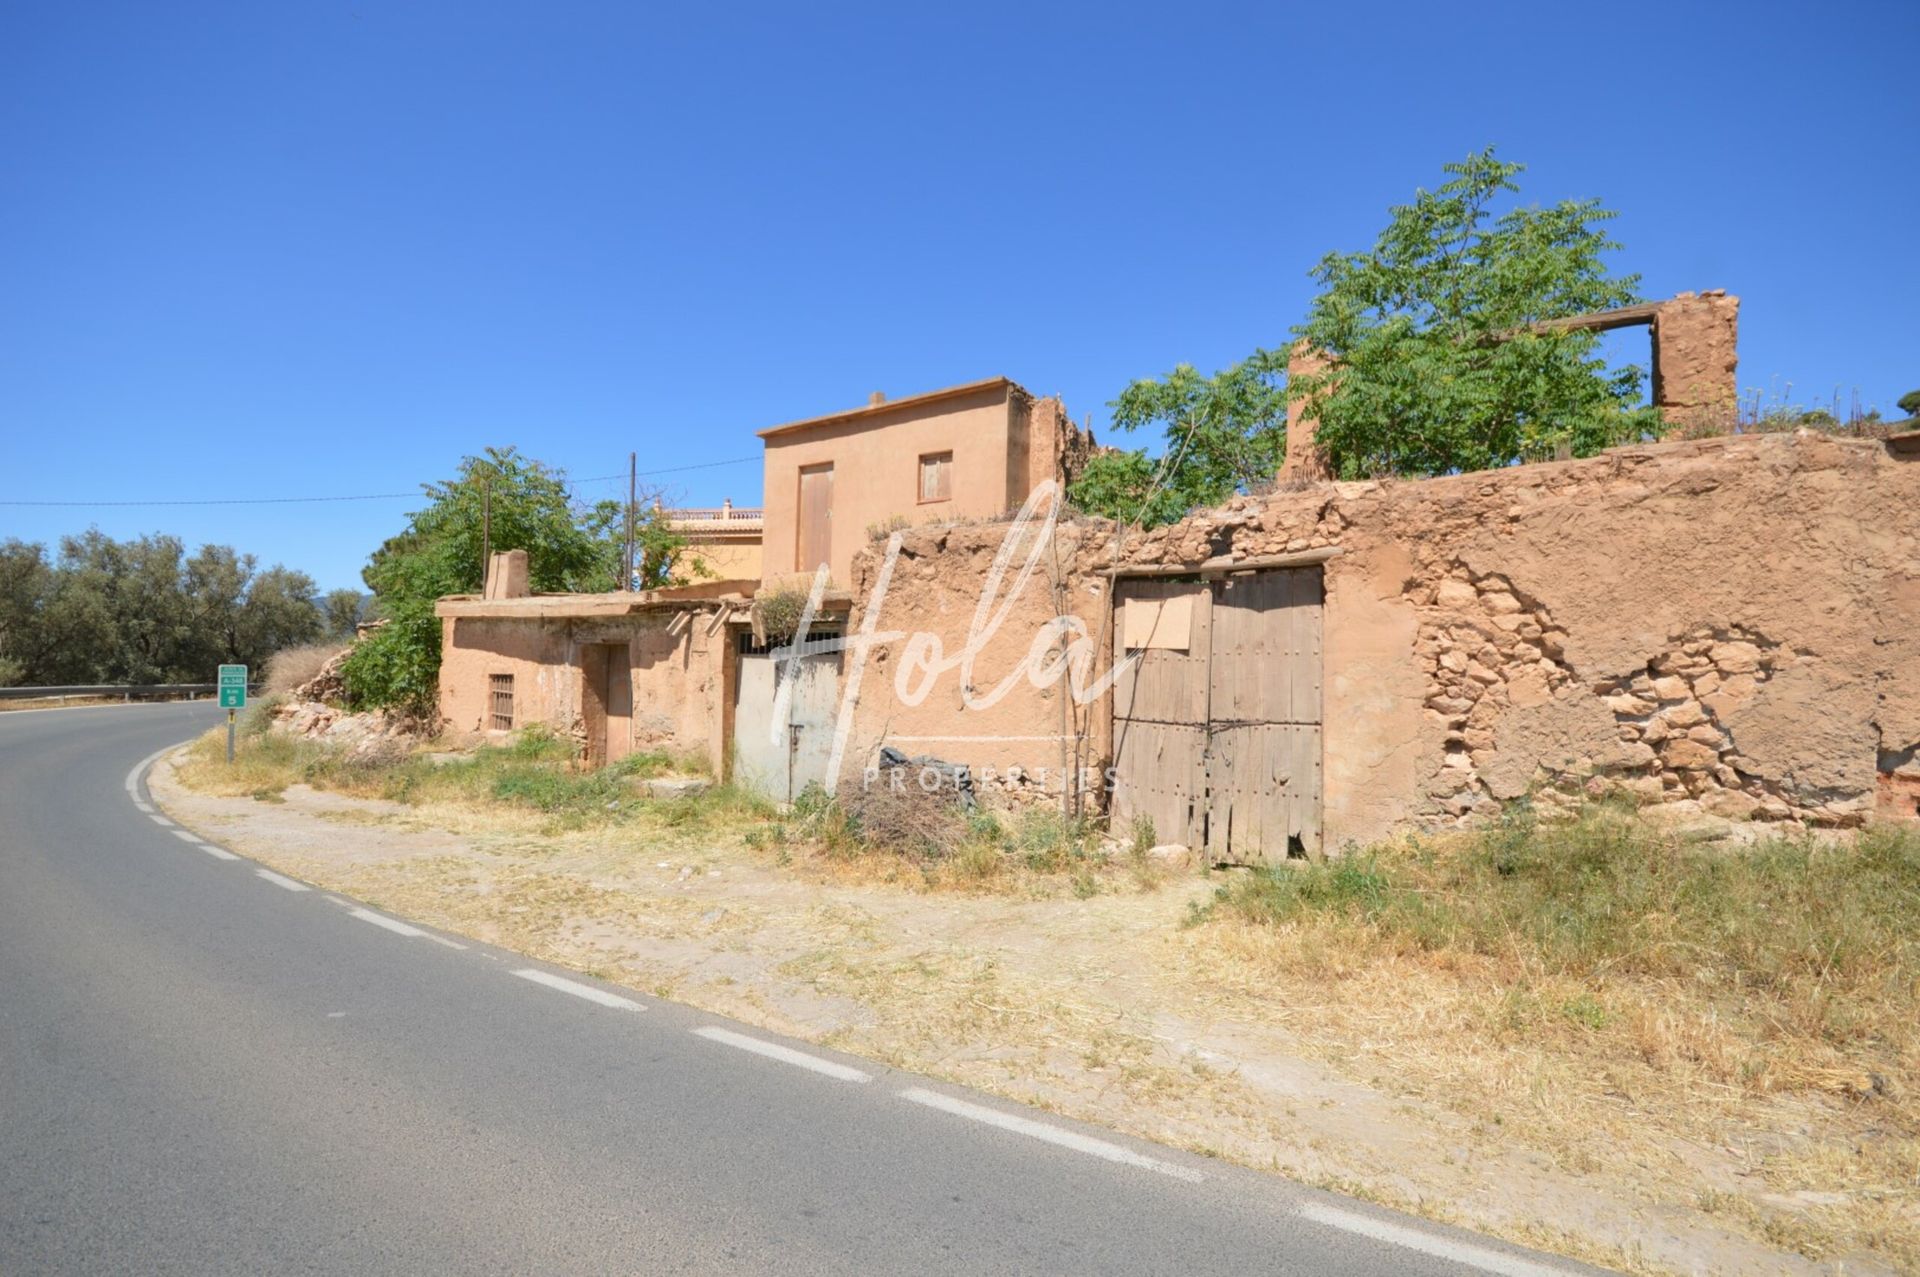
233, 687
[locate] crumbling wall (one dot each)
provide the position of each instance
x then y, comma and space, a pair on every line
1723, 626
675, 674
1695, 356
1056, 448
1711, 625
1032, 743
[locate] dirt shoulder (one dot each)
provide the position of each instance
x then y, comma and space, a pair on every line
1105, 1009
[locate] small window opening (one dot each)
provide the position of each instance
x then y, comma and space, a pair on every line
936, 476
501, 686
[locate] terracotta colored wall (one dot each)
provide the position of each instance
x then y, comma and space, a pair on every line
1695, 357
1729, 625
676, 684
935, 589
876, 473
735, 560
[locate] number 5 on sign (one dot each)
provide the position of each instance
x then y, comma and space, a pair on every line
233, 696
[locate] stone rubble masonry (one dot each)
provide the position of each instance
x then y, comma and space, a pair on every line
1725, 627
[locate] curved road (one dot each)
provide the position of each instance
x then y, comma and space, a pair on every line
206, 1068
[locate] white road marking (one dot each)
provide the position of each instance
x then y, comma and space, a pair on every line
1426, 1243
142, 804
187, 835
162, 821
577, 989
1051, 1134
280, 880
381, 920
218, 853
785, 1054
140, 769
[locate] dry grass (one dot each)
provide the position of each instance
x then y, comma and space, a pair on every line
290, 667
531, 786
1623, 1000
906, 835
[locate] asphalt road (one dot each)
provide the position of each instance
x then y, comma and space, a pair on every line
206, 1069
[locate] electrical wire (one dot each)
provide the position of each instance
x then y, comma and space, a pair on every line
362, 496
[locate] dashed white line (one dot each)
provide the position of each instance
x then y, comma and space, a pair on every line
187, 835
161, 821
1446, 1248
1051, 1134
785, 1054
577, 989
218, 853
394, 925
141, 804
281, 880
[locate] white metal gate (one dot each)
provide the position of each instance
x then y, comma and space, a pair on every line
779, 758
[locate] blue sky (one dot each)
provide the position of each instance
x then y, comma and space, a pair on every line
327, 248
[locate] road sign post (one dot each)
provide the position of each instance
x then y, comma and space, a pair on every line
233, 697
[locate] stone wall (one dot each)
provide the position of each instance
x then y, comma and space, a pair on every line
1726, 627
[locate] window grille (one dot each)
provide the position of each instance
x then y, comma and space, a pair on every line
502, 701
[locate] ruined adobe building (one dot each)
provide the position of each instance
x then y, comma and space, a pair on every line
683, 667
1728, 625
1695, 347
1725, 627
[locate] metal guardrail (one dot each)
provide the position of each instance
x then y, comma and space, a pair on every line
128, 691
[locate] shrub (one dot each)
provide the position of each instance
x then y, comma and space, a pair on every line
292, 667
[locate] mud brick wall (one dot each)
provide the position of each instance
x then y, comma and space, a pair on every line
1723, 627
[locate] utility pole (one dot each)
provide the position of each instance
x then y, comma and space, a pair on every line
633, 475
486, 533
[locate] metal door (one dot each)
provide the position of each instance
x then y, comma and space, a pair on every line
776, 755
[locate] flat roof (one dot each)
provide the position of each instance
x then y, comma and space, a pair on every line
887, 405
616, 603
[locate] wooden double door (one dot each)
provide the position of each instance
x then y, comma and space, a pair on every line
1217, 722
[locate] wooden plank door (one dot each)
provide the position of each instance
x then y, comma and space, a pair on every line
619, 701
815, 539
1264, 708
1160, 708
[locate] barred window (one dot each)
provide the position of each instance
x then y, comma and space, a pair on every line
502, 689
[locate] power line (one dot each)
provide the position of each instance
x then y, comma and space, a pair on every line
362, 496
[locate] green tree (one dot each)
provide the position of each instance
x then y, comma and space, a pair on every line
1222, 434
1436, 365
343, 610
1909, 403
26, 586
571, 547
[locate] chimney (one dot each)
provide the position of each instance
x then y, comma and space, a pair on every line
507, 575
877, 398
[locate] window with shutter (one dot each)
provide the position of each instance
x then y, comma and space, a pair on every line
936, 476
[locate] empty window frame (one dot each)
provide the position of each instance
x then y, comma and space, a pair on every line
936, 476
500, 698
